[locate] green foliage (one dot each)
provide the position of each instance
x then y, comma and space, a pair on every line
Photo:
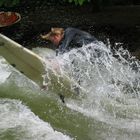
9, 3
80, 2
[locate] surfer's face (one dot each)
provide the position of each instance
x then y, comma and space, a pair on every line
55, 39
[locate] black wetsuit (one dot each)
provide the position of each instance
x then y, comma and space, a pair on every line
74, 38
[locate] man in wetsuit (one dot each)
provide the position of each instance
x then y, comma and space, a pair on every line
65, 40
69, 38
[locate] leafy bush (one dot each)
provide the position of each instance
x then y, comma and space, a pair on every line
9, 3
80, 2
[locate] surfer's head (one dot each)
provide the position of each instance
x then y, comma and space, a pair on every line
55, 35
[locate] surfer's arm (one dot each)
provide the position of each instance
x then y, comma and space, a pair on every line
68, 37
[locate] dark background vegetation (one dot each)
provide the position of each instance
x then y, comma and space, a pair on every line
116, 20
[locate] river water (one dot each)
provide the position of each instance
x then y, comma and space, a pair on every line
109, 107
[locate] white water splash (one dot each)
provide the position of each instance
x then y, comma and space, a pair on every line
4, 71
111, 79
19, 122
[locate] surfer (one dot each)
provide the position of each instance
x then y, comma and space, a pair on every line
65, 40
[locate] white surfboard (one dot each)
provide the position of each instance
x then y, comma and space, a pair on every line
35, 67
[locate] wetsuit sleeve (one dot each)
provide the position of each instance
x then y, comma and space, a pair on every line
66, 42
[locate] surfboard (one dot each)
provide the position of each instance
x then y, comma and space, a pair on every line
35, 67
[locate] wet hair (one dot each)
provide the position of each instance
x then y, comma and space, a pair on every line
57, 31
54, 31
